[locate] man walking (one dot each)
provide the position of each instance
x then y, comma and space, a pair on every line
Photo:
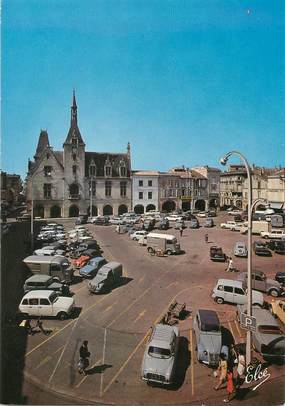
84, 355
206, 238
181, 231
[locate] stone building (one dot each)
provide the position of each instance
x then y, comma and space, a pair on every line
213, 185
11, 189
145, 191
276, 189
67, 183
231, 186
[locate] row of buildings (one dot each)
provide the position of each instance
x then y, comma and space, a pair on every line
72, 181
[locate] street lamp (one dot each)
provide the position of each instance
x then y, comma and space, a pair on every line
223, 161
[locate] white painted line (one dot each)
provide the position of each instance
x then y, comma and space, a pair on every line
103, 363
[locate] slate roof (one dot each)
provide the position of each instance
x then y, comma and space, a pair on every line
42, 143
100, 158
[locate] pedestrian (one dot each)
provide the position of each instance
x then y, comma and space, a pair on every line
230, 265
206, 238
240, 368
84, 355
222, 371
232, 361
181, 231
27, 325
230, 387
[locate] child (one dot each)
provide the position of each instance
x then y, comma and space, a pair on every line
230, 387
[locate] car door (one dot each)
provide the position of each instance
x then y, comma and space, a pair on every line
229, 294
258, 283
239, 296
33, 307
45, 307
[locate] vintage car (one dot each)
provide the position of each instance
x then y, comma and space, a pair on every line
277, 309
268, 339
84, 258
278, 234
260, 248
262, 283
276, 246
207, 330
160, 356
217, 254
280, 277
240, 249
91, 268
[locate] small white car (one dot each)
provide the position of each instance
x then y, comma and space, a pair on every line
234, 212
135, 236
45, 303
174, 217
278, 234
229, 225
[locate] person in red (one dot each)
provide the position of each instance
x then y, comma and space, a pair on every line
230, 387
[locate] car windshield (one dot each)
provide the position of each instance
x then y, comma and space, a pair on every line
53, 297
157, 352
268, 329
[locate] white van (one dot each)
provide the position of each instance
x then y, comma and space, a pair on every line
44, 303
164, 242
231, 291
257, 227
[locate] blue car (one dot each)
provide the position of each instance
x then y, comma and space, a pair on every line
92, 267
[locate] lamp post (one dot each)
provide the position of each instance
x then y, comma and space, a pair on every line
223, 161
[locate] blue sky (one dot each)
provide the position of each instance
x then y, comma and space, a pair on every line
183, 81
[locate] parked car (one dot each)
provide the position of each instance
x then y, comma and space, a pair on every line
149, 224
240, 249
278, 234
108, 276
160, 356
45, 282
280, 277
116, 220
179, 224
135, 236
234, 212
277, 309
202, 214
43, 303
229, 224
194, 223
24, 217
238, 218
268, 339
163, 224
207, 330
92, 267
276, 246
262, 283
100, 221
82, 219
84, 258
173, 217
260, 248
232, 291
209, 222
217, 254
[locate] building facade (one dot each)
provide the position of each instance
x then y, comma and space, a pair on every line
231, 186
145, 191
276, 189
74, 181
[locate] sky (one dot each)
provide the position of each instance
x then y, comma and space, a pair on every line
183, 81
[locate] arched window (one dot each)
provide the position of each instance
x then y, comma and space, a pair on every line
74, 191
92, 170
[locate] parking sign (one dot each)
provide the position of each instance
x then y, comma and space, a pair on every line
248, 322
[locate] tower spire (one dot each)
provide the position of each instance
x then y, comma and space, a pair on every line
74, 110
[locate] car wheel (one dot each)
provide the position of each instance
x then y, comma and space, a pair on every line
168, 252
266, 237
150, 250
273, 292
219, 300
62, 316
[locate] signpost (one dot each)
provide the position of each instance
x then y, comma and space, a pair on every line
248, 322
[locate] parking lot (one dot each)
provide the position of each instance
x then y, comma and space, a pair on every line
118, 324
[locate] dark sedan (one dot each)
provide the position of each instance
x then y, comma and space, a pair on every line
276, 246
260, 248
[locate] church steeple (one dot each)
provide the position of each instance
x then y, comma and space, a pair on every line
73, 110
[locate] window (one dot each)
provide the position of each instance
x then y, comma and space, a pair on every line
228, 289
44, 302
92, 188
25, 302
140, 195
150, 183
123, 189
123, 171
140, 182
150, 195
239, 291
55, 268
108, 188
33, 302
92, 170
48, 155
74, 141
47, 170
108, 170
74, 169
47, 190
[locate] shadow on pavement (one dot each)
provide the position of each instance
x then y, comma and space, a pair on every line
98, 369
183, 362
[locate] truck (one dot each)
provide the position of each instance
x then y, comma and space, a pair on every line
164, 242
257, 227
55, 266
108, 276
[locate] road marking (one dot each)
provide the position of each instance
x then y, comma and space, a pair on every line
85, 377
141, 314
48, 358
63, 328
103, 363
192, 363
238, 329
61, 355
171, 284
108, 308
141, 279
141, 342
78, 290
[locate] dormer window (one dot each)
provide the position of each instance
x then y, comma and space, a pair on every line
123, 170
92, 170
47, 170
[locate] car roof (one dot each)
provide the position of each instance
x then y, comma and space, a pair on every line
231, 282
162, 335
45, 258
38, 278
209, 317
38, 293
240, 243
158, 235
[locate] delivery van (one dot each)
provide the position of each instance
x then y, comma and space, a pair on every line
55, 266
257, 227
107, 277
165, 242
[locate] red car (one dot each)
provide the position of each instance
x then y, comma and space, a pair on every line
81, 261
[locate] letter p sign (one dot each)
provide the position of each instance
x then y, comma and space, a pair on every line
248, 322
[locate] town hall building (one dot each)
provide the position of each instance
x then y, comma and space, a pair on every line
71, 182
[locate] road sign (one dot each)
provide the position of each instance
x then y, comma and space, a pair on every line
248, 322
